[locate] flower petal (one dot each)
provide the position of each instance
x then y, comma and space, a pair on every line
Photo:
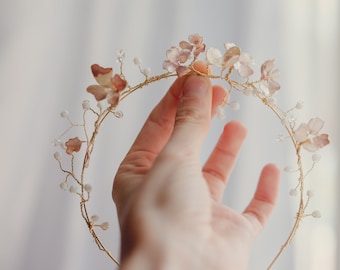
315, 125
172, 54
169, 66
113, 98
273, 86
184, 55
102, 75
214, 57
98, 91
182, 70
196, 40
73, 145
245, 71
301, 133
186, 45
321, 140
232, 53
266, 67
118, 83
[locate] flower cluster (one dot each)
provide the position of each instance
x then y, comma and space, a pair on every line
109, 86
188, 50
308, 135
179, 61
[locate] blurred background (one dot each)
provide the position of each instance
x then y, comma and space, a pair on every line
46, 49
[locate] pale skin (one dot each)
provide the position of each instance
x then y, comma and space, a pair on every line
169, 205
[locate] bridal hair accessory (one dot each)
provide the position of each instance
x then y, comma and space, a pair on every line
191, 56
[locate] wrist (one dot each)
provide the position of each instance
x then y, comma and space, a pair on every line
162, 254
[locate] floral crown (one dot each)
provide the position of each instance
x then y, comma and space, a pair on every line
182, 60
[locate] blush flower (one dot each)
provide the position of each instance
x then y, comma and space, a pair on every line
308, 135
108, 87
177, 57
269, 76
233, 57
73, 145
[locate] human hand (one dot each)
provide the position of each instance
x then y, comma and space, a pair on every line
169, 205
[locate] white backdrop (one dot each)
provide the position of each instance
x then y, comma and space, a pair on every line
46, 49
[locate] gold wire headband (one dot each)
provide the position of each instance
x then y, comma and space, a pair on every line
112, 88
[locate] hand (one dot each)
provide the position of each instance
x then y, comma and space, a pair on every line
169, 205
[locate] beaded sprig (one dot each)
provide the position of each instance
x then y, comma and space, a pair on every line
112, 88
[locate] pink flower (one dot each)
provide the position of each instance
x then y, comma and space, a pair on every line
308, 135
177, 57
73, 145
269, 75
243, 65
108, 87
197, 41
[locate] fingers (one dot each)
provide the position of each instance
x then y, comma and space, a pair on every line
159, 125
221, 162
192, 117
151, 139
263, 202
154, 136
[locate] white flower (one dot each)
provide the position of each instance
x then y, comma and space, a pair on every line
303, 133
269, 75
214, 57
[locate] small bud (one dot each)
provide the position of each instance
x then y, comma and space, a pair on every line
63, 185
146, 71
316, 214
220, 112
104, 226
57, 155
88, 188
57, 142
120, 56
299, 105
284, 121
316, 157
235, 106
65, 114
86, 105
310, 193
293, 192
288, 169
137, 61
100, 105
73, 189
272, 100
94, 218
280, 137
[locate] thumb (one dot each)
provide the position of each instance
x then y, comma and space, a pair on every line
193, 114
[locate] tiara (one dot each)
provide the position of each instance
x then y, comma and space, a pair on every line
190, 57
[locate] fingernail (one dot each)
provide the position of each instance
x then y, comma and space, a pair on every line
196, 86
